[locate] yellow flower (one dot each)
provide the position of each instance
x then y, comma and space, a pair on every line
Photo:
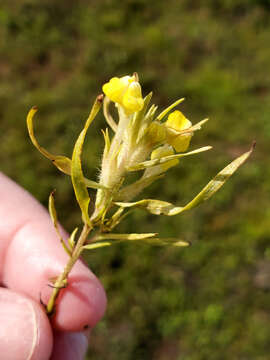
176, 137
132, 98
125, 91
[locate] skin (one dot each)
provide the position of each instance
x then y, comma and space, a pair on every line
30, 255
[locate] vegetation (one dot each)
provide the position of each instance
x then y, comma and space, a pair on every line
211, 300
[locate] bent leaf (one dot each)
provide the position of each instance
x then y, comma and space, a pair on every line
53, 215
77, 177
216, 183
158, 207
165, 159
63, 163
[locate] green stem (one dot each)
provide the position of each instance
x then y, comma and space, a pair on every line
61, 281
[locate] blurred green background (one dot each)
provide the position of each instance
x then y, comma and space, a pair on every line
210, 301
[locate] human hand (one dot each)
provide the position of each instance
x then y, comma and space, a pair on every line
30, 255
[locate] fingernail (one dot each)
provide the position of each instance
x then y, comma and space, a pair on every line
81, 345
69, 346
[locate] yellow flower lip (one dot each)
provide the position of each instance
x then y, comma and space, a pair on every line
125, 91
178, 122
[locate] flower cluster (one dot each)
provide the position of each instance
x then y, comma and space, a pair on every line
140, 135
143, 140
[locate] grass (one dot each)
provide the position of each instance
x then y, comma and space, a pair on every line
210, 301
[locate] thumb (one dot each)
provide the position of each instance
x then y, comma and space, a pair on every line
25, 332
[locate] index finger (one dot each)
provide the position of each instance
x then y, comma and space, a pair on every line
30, 255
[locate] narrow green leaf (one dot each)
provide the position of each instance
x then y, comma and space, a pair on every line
94, 185
147, 120
71, 239
165, 159
169, 108
53, 214
168, 242
107, 141
130, 191
149, 241
215, 184
78, 182
97, 245
156, 207
61, 162
77, 177
30, 127
106, 236
189, 130
117, 217
140, 114
139, 121
198, 125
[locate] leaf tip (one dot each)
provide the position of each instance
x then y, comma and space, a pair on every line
253, 145
136, 76
53, 193
100, 98
182, 243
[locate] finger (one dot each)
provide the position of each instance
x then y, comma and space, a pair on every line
69, 346
25, 332
31, 254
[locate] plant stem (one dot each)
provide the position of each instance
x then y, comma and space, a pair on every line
61, 281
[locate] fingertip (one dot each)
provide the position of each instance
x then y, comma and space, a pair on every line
25, 332
81, 305
35, 250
